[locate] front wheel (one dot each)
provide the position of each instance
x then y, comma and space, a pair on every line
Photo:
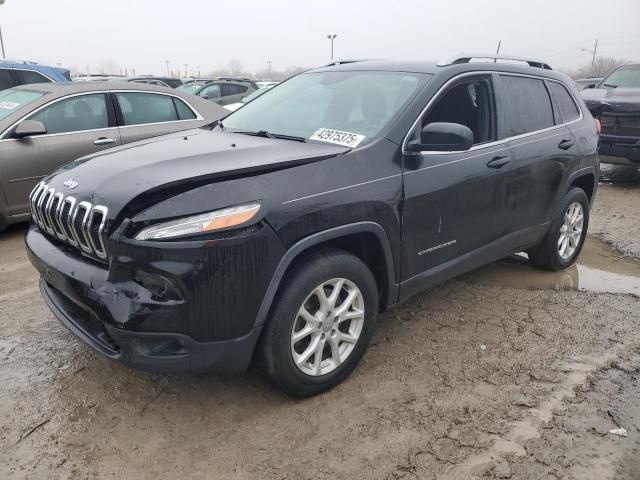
321, 323
563, 242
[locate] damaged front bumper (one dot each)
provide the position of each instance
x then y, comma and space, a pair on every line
157, 313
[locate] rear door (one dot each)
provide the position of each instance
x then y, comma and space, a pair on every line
144, 114
455, 201
543, 148
76, 126
232, 93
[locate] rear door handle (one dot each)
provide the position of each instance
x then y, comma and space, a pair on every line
104, 141
499, 161
566, 144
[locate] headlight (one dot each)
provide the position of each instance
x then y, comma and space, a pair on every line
206, 222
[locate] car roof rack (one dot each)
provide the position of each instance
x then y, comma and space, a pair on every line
467, 58
22, 62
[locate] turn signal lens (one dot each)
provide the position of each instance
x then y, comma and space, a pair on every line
206, 222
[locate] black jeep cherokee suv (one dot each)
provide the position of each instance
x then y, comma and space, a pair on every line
279, 234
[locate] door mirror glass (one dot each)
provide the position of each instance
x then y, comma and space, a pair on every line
443, 137
30, 128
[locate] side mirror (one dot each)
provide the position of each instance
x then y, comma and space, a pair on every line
443, 137
205, 96
29, 128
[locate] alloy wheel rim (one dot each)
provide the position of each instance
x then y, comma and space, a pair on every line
571, 231
327, 327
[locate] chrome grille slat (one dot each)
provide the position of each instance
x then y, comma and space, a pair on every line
69, 220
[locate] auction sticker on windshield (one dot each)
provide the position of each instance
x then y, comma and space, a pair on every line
9, 105
346, 139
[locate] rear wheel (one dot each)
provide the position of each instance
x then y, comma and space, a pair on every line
321, 323
563, 242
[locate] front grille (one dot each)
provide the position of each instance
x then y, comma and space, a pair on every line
80, 224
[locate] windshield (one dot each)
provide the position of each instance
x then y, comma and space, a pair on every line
255, 94
13, 100
625, 77
356, 104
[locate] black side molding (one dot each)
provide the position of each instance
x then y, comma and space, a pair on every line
320, 237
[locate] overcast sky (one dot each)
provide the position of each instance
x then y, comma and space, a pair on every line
141, 34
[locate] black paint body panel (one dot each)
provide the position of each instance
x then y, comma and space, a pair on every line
426, 216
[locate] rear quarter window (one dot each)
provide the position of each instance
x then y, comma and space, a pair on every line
526, 105
564, 101
27, 77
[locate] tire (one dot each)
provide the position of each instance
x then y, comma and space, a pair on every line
337, 356
548, 253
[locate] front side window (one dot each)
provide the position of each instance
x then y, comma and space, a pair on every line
27, 77
211, 91
141, 108
527, 105
470, 104
566, 105
12, 101
84, 112
358, 102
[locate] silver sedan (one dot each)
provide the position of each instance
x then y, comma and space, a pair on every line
44, 126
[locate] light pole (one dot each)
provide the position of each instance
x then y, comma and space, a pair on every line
332, 37
595, 49
167, 62
269, 63
186, 73
1, 40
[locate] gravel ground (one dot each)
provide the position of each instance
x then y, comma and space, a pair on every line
469, 380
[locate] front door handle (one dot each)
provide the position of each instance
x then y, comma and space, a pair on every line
566, 144
104, 141
499, 161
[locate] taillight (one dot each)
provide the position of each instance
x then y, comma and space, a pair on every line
598, 125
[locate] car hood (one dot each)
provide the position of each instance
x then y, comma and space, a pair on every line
623, 100
114, 178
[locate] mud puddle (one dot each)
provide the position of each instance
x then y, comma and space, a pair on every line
599, 269
619, 175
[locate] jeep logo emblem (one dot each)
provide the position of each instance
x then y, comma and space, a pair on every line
70, 184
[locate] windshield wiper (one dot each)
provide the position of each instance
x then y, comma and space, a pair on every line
266, 134
609, 85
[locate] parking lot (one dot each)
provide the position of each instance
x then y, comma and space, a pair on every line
506, 372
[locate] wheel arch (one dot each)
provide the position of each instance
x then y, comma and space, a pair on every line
363, 239
587, 180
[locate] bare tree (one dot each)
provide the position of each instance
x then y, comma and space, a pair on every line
108, 67
601, 67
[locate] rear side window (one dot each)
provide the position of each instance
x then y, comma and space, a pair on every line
75, 114
566, 105
232, 89
184, 112
526, 105
6, 79
27, 76
142, 108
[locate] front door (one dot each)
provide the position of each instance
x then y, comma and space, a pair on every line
76, 126
454, 201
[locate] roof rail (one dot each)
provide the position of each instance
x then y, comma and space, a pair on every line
467, 58
23, 62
